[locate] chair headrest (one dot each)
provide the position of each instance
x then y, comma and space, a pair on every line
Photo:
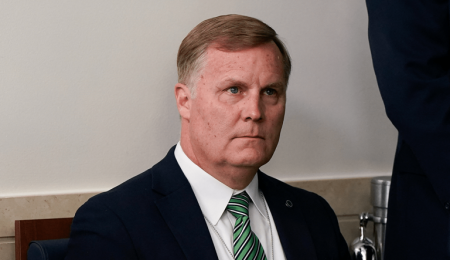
55, 249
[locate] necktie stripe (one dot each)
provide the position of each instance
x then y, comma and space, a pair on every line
242, 246
243, 200
250, 252
257, 252
241, 234
237, 227
246, 245
239, 212
237, 205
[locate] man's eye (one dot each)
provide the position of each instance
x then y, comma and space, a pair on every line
233, 90
269, 91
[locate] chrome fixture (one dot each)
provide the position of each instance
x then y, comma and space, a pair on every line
360, 249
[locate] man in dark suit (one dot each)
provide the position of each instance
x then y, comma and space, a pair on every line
207, 198
410, 44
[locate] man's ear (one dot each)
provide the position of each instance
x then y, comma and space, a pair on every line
183, 98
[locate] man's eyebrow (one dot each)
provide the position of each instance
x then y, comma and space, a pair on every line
276, 85
237, 82
232, 81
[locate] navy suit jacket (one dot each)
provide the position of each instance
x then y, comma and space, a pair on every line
155, 215
410, 44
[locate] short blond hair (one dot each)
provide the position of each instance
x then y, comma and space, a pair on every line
231, 33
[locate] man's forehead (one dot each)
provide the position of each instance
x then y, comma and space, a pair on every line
218, 45
215, 55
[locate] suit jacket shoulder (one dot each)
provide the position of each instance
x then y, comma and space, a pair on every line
305, 222
146, 217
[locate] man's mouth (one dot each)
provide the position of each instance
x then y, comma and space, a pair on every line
251, 136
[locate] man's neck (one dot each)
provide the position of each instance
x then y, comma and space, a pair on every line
234, 177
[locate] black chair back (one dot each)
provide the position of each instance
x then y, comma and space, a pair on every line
55, 249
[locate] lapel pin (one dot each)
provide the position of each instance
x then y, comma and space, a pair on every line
289, 204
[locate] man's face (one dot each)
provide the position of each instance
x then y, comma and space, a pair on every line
237, 113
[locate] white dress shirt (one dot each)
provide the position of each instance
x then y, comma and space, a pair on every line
213, 197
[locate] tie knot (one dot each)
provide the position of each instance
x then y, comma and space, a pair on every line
238, 205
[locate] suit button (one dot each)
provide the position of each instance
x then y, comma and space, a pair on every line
447, 205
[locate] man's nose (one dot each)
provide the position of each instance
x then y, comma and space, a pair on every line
253, 108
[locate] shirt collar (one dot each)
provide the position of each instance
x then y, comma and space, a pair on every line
212, 195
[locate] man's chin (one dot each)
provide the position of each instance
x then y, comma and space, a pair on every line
249, 159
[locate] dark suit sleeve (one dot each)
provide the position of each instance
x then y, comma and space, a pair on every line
409, 40
97, 233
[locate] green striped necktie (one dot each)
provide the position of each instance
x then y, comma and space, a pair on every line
246, 244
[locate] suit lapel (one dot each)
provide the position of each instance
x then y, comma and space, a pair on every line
179, 208
291, 226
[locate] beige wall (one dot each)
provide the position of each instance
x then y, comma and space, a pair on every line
348, 198
87, 90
